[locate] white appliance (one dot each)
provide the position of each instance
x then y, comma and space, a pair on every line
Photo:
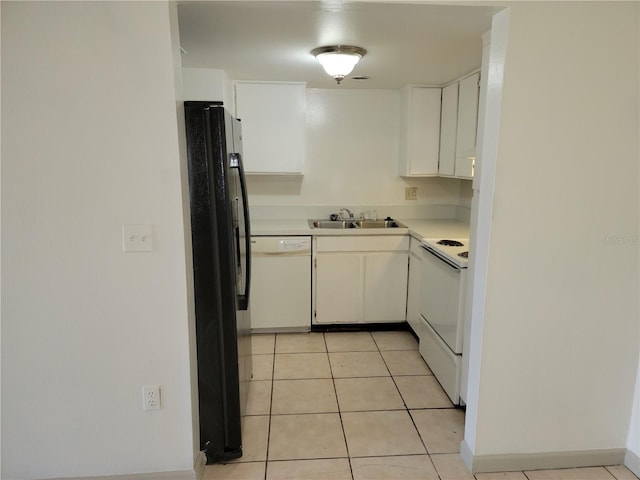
280, 284
444, 269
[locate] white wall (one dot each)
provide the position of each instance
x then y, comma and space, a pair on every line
208, 84
560, 339
352, 157
90, 143
632, 459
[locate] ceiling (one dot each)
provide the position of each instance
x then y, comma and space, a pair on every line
271, 40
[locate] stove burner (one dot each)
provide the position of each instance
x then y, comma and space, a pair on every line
451, 243
464, 254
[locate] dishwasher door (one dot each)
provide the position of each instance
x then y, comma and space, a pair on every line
280, 284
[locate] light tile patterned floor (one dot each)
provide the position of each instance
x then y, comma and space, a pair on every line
357, 406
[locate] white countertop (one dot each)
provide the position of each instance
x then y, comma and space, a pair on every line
433, 228
419, 228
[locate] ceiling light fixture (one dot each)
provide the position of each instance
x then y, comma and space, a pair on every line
338, 60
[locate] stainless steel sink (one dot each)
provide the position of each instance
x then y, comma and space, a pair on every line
343, 224
379, 224
332, 224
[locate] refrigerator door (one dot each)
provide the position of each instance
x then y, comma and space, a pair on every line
218, 271
243, 266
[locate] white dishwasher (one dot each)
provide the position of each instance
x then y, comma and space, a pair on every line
280, 284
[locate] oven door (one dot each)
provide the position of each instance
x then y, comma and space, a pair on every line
442, 299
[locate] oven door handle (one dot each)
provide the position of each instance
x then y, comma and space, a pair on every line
452, 265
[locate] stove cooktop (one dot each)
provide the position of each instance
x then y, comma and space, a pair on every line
450, 243
454, 250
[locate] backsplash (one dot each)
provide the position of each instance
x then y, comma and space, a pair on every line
297, 212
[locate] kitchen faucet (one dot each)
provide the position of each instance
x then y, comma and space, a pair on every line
346, 210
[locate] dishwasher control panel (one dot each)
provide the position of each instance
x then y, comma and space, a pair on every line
268, 245
290, 245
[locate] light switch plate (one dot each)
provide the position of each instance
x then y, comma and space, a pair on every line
411, 193
137, 238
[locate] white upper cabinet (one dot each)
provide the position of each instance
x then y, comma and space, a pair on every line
467, 126
420, 131
459, 124
438, 129
273, 126
448, 129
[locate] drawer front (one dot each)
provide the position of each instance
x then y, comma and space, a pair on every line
364, 243
445, 365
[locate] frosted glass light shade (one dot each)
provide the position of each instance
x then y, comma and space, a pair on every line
338, 64
338, 61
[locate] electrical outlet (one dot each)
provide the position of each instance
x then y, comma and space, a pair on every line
137, 238
151, 397
411, 193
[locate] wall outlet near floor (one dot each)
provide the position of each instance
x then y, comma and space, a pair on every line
151, 397
137, 238
411, 193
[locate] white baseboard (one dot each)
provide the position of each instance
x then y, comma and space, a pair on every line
199, 464
176, 475
632, 462
467, 456
281, 330
196, 474
542, 461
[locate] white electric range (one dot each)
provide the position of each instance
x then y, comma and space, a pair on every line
453, 250
444, 269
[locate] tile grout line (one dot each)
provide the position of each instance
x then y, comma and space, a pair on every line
428, 454
340, 410
335, 391
615, 476
326, 352
273, 369
406, 408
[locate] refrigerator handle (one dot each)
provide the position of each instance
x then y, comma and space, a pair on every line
244, 299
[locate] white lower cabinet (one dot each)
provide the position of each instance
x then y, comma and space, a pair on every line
360, 279
337, 285
385, 287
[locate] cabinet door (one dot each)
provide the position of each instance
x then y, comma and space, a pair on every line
385, 286
467, 117
338, 280
448, 129
420, 125
273, 126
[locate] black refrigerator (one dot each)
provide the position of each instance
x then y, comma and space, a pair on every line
221, 243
